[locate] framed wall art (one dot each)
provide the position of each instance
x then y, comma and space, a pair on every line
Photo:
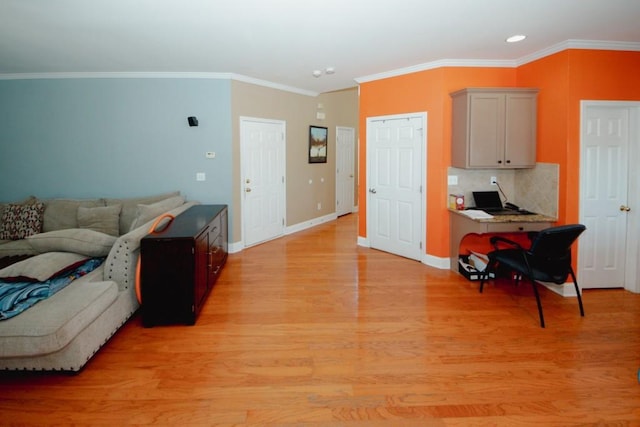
317, 144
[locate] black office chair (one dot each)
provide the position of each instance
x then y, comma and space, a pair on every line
547, 260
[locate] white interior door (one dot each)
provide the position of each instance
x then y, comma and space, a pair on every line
396, 167
604, 195
263, 179
345, 169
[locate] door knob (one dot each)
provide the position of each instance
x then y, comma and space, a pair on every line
248, 190
372, 190
624, 208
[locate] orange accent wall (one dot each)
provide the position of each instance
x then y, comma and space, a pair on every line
563, 78
424, 91
551, 76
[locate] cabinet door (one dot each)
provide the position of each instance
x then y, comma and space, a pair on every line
520, 130
201, 283
167, 278
486, 130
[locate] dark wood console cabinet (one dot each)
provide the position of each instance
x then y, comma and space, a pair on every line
180, 264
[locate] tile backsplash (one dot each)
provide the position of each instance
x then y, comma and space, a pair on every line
534, 189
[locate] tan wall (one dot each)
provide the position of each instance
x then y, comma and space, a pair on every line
341, 108
299, 112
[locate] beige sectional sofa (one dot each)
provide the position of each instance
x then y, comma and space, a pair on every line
63, 331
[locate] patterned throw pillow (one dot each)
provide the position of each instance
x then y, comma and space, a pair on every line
20, 221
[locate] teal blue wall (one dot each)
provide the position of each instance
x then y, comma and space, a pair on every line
120, 137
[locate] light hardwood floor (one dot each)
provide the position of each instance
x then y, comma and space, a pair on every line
311, 329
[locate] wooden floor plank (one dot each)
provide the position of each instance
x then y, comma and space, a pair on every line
311, 329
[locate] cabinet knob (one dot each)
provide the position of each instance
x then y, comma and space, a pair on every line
624, 208
499, 162
248, 190
508, 161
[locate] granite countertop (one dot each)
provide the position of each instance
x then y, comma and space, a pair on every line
508, 218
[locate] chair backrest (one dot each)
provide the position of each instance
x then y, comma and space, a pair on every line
551, 250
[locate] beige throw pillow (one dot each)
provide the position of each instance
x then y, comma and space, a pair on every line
146, 213
103, 219
63, 213
130, 207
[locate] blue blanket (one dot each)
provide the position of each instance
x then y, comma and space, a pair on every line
16, 297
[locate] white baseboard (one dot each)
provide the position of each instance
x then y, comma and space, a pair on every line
436, 262
567, 290
239, 246
236, 247
311, 223
364, 242
430, 260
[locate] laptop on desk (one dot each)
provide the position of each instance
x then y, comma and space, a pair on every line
490, 202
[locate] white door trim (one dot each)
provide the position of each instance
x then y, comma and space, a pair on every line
283, 125
632, 257
423, 179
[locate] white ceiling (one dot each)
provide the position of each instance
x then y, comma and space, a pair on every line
284, 41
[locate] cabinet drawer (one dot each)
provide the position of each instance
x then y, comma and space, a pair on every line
217, 253
517, 227
214, 227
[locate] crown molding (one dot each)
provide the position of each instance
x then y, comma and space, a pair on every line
559, 47
567, 44
265, 83
579, 44
438, 64
156, 75
115, 75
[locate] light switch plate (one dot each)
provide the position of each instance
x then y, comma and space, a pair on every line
452, 180
210, 154
201, 176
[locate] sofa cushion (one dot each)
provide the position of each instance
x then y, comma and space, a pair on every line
51, 324
105, 219
146, 213
43, 266
16, 247
19, 221
60, 214
78, 240
130, 207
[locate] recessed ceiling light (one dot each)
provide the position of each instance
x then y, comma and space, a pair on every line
317, 73
330, 70
516, 38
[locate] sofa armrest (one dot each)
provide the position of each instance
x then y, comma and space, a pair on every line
120, 265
